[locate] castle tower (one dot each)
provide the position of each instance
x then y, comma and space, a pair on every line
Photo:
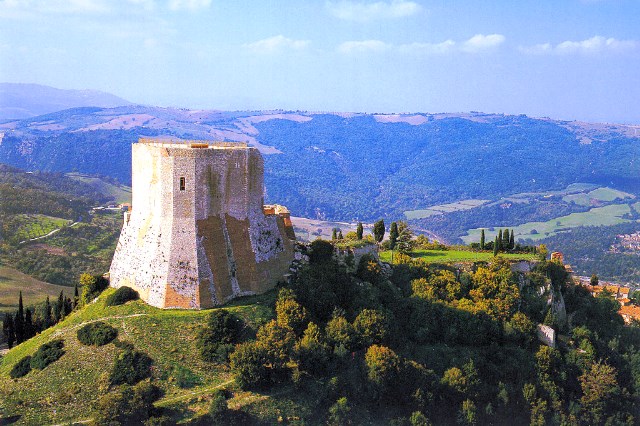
198, 233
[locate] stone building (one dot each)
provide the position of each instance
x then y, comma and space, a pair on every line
198, 234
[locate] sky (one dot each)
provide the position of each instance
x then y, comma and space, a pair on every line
564, 59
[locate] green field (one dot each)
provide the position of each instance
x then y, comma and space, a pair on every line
607, 215
33, 291
27, 226
64, 391
121, 193
454, 256
596, 196
444, 208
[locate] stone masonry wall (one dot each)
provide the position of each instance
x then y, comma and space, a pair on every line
197, 235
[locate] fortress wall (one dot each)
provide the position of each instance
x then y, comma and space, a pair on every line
199, 245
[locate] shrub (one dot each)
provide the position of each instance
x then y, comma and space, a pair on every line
215, 341
97, 334
218, 410
21, 368
248, 362
122, 296
185, 378
47, 353
130, 367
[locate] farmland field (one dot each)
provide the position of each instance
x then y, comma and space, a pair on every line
452, 256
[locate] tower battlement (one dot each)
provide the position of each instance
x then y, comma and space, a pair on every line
198, 233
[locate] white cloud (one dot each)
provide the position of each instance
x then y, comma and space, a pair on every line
593, 45
276, 44
475, 44
481, 42
363, 46
365, 11
189, 4
26, 8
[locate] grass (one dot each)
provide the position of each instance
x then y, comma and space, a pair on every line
597, 195
455, 256
120, 193
598, 216
36, 225
33, 290
444, 208
65, 390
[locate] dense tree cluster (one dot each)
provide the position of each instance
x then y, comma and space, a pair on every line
437, 344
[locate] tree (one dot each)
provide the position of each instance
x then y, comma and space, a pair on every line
334, 234
594, 280
29, 327
372, 326
482, 237
340, 236
496, 246
404, 238
378, 231
312, 353
76, 296
321, 251
505, 240
58, 308
8, 329
18, 322
47, 314
218, 409
500, 239
393, 235
512, 241
600, 392
383, 367
290, 313
340, 413
359, 230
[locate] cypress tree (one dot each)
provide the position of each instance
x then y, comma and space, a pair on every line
47, 314
76, 296
359, 231
393, 235
482, 239
495, 247
334, 234
9, 329
29, 329
505, 240
18, 322
67, 307
512, 241
58, 308
378, 231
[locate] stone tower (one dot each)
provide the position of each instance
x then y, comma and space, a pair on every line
198, 233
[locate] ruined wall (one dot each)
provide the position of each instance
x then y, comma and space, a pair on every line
197, 234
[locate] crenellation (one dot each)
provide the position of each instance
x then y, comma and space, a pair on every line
198, 234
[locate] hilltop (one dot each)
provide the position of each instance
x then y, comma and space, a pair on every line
373, 344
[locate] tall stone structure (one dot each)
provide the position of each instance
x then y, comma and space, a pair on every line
198, 233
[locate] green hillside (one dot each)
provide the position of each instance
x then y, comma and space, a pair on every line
65, 390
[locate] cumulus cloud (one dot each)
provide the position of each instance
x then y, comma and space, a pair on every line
276, 44
593, 45
363, 46
475, 44
365, 11
480, 42
188, 4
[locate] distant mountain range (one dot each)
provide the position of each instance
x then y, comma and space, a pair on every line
29, 100
447, 173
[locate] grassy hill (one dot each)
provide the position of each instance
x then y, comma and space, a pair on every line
64, 391
33, 290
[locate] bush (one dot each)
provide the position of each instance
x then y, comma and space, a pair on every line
185, 378
97, 334
47, 353
216, 340
21, 368
130, 367
218, 410
122, 296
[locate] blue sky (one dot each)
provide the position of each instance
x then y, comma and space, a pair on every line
566, 59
